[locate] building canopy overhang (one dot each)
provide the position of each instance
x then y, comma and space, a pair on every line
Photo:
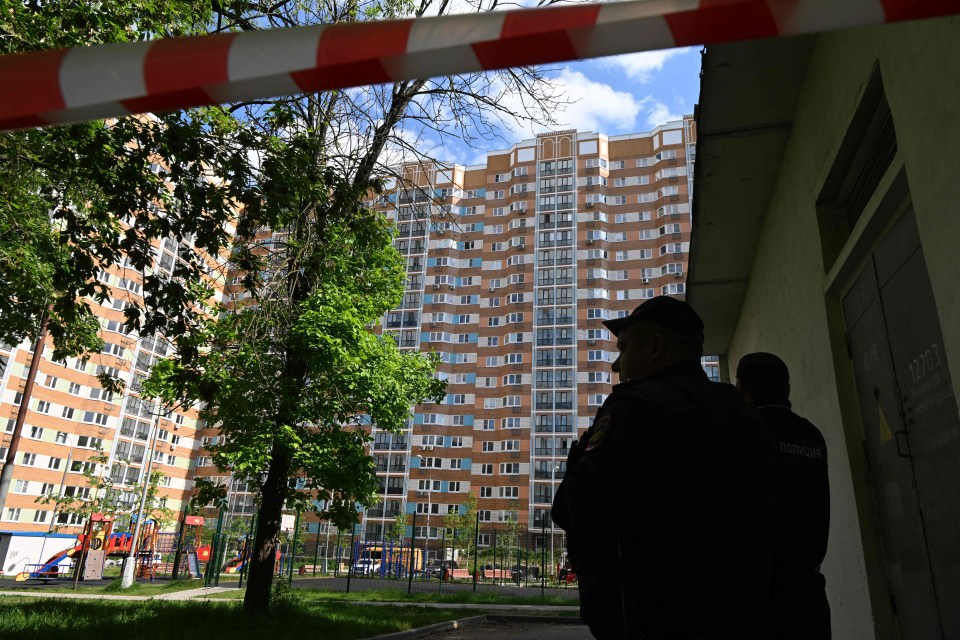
748, 95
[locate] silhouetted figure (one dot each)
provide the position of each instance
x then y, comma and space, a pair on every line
800, 608
667, 499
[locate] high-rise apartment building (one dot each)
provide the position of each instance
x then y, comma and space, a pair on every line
511, 268
70, 417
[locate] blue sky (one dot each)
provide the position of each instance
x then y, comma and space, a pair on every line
615, 95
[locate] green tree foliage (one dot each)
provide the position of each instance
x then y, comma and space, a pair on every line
398, 530
462, 522
65, 190
102, 494
283, 376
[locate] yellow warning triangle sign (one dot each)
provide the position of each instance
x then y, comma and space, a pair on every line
885, 432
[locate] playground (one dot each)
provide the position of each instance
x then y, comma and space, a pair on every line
90, 556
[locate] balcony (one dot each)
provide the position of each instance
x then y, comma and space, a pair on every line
544, 451
385, 446
398, 467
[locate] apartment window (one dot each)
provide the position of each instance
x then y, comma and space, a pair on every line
509, 468
456, 463
430, 463
21, 486
61, 437
512, 378
96, 418
67, 413
514, 358
454, 487
43, 406
515, 317
486, 469
13, 515
510, 423
669, 228
509, 492
74, 388
47, 489
29, 459
54, 463
487, 425
87, 441
40, 516
35, 433
597, 356
511, 401
598, 377
510, 445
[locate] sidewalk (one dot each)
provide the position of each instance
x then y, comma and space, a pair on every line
187, 594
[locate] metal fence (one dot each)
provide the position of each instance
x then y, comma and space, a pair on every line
509, 557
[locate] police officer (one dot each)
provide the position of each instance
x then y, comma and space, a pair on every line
667, 499
800, 603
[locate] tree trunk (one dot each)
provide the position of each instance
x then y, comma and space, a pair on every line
264, 556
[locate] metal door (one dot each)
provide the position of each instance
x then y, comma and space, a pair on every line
928, 404
910, 430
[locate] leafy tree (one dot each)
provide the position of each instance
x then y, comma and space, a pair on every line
283, 375
281, 378
105, 493
398, 530
463, 522
77, 199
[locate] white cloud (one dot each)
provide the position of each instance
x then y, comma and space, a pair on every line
595, 106
657, 112
641, 66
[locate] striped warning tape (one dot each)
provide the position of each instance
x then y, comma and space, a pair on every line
71, 85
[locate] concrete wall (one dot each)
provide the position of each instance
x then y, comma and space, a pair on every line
787, 309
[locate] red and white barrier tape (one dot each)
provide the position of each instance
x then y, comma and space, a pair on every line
71, 85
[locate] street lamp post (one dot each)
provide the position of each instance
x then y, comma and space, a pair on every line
553, 495
126, 581
427, 537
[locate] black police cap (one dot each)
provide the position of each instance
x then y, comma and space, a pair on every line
763, 368
663, 311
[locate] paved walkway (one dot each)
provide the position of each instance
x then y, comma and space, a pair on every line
502, 630
186, 594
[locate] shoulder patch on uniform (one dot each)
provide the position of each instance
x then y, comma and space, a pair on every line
600, 427
802, 452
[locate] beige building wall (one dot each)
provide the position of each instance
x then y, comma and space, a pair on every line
788, 308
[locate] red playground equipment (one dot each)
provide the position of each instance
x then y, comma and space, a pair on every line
98, 537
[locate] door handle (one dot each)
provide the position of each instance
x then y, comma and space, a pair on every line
906, 441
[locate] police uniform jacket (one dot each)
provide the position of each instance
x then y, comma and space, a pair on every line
803, 523
667, 501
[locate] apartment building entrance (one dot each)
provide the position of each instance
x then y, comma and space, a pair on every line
911, 430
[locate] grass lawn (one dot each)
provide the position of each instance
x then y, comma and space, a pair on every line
397, 595
163, 620
144, 588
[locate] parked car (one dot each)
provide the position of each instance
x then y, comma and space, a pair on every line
365, 567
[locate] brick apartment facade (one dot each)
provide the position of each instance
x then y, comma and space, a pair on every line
540, 244
512, 266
